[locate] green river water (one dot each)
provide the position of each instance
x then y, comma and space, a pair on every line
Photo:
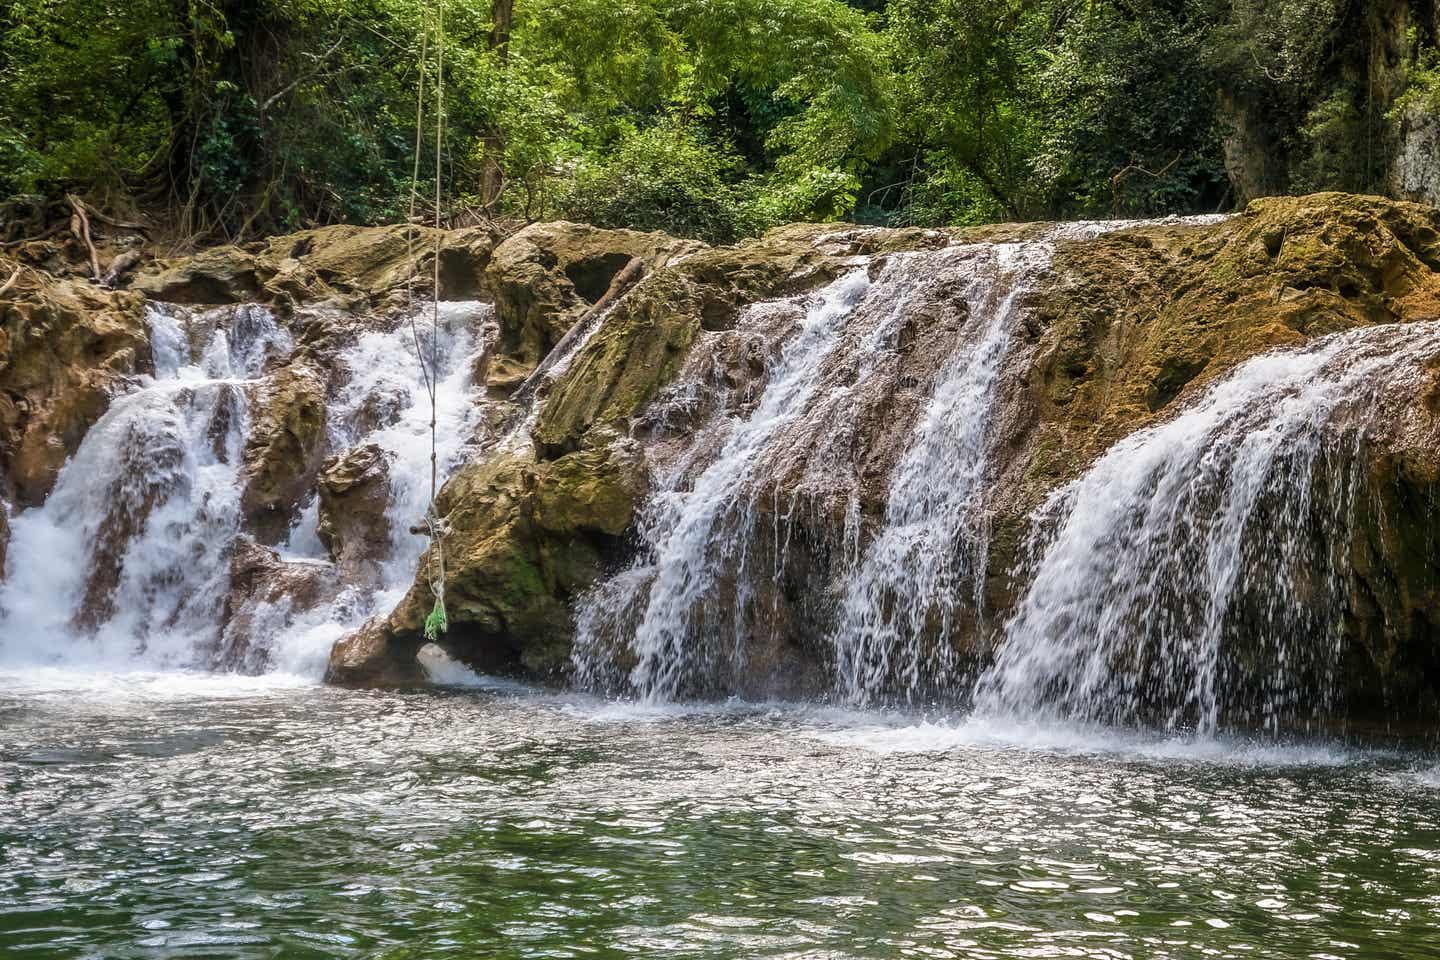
164, 816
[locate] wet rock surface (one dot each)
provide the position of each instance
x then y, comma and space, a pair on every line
266, 596
284, 450
549, 275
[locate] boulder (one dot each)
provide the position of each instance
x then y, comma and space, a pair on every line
354, 492
267, 595
375, 656
549, 275
524, 539
284, 450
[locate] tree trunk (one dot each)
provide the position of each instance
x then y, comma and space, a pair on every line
492, 176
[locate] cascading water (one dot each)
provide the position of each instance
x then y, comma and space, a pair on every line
686, 529
720, 530
914, 580
1209, 554
126, 561
383, 401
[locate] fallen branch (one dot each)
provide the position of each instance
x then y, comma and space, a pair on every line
118, 224
80, 226
45, 234
1125, 171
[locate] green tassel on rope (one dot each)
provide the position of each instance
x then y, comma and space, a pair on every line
437, 623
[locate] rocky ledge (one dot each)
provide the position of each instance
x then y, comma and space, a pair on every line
1125, 329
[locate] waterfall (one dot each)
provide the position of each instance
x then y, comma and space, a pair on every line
126, 561
691, 532
722, 529
1210, 548
127, 564
929, 556
383, 401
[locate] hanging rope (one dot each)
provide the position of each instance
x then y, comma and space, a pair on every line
438, 621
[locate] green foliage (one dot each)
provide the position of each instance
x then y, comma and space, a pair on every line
709, 118
1129, 116
662, 177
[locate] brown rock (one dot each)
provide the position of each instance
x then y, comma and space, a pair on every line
373, 657
354, 491
284, 450
341, 260
549, 275
266, 595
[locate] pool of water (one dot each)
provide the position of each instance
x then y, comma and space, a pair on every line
164, 816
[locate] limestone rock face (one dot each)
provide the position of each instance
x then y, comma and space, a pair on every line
1137, 319
340, 261
65, 346
354, 493
648, 334
549, 275
4, 537
1414, 173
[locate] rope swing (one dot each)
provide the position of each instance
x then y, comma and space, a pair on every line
438, 622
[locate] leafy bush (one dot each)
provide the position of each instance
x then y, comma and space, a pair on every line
662, 177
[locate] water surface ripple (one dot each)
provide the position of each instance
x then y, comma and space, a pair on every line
155, 817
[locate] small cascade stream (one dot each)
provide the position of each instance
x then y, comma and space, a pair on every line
384, 402
686, 533
925, 568
126, 561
